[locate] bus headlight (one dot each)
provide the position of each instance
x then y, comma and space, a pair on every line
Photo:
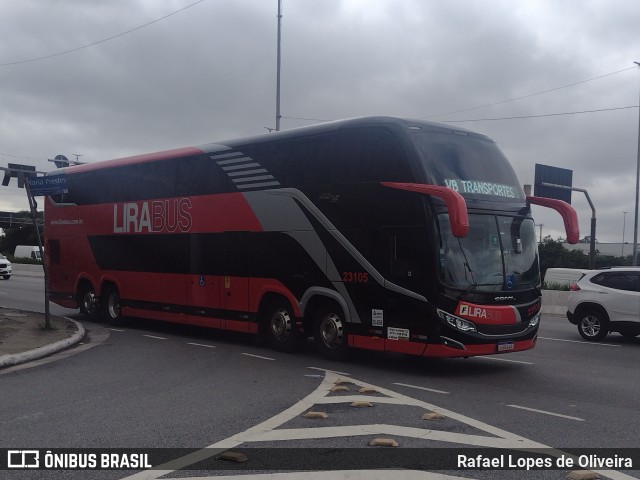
535, 320
457, 322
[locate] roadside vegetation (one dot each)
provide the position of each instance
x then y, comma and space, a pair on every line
19, 233
554, 255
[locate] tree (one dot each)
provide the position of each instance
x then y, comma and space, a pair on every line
554, 255
19, 234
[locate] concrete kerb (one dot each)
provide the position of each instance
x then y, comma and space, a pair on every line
41, 352
27, 270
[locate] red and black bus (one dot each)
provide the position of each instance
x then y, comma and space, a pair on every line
377, 233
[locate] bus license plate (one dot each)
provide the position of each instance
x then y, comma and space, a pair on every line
505, 346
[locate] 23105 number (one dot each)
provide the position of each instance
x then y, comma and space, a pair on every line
355, 277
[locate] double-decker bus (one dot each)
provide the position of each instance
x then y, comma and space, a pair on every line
376, 233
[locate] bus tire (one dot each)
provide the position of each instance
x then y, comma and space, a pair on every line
110, 303
330, 336
593, 324
280, 326
88, 302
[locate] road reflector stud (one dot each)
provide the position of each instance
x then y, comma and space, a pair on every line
315, 415
339, 388
583, 475
383, 442
367, 390
362, 404
433, 416
235, 457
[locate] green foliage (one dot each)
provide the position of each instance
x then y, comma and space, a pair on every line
555, 286
23, 260
19, 234
554, 255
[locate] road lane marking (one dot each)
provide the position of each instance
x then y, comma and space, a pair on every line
201, 345
258, 356
422, 388
116, 330
272, 430
503, 360
546, 412
331, 371
578, 341
153, 336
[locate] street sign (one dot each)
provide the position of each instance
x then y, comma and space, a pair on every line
47, 185
555, 176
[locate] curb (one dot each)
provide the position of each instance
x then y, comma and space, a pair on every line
37, 353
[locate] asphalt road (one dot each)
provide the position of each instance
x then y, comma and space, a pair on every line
153, 385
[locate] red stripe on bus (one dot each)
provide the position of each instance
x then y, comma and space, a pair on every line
443, 351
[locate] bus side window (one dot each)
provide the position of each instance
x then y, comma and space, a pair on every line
367, 156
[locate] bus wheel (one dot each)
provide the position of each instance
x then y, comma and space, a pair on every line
329, 333
111, 306
281, 327
88, 301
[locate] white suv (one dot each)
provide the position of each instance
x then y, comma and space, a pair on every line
5, 267
604, 301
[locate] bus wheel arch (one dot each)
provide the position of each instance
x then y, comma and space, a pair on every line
277, 322
110, 304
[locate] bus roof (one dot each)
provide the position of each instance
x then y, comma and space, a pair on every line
322, 128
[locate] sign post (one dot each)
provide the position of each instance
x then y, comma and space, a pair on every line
36, 186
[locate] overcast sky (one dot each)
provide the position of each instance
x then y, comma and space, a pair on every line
208, 73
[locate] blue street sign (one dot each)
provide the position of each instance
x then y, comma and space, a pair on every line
47, 185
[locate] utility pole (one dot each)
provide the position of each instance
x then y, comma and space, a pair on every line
592, 243
278, 68
635, 222
624, 221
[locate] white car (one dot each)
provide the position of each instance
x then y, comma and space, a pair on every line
5, 267
604, 301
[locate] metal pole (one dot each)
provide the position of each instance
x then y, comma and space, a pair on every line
278, 68
592, 243
635, 216
34, 212
624, 221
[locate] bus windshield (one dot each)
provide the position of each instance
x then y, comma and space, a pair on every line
470, 164
499, 253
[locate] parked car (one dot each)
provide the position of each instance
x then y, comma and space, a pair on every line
604, 301
5, 267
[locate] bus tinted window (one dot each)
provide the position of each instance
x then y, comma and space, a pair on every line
349, 156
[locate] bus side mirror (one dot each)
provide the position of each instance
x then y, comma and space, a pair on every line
569, 215
457, 207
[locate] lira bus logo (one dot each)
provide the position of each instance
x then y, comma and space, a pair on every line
158, 216
477, 312
474, 311
488, 314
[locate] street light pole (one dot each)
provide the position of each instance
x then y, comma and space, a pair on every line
624, 221
635, 216
278, 68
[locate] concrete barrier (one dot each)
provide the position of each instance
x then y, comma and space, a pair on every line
27, 269
554, 302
